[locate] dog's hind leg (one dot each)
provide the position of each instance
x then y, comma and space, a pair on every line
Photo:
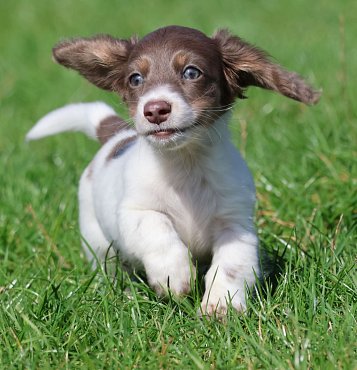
96, 246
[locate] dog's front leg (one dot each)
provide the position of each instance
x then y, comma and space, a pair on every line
151, 238
235, 265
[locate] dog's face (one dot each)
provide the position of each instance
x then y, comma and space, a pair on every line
174, 86
177, 81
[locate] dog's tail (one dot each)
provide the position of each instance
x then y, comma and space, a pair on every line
97, 120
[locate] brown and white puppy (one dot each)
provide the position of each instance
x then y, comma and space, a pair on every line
172, 192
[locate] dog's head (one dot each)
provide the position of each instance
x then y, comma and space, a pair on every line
176, 79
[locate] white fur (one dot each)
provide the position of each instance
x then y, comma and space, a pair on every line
183, 114
165, 209
73, 117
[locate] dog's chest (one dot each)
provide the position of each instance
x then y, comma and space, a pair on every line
192, 207
199, 198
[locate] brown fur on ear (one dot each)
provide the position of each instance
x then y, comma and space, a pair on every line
245, 65
100, 59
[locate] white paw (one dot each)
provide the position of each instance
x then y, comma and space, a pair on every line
172, 272
216, 303
223, 289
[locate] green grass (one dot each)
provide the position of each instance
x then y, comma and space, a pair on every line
56, 313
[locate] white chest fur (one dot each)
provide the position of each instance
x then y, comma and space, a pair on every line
200, 193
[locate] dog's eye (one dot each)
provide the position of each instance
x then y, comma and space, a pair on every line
136, 79
191, 73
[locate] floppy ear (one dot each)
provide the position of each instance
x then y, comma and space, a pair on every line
100, 59
245, 65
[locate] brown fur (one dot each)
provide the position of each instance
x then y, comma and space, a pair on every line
228, 64
109, 126
100, 59
246, 65
120, 146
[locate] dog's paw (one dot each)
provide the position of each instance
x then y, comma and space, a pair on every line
219, 310
216, 303
171, 274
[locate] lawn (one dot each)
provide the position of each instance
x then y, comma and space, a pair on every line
56, 313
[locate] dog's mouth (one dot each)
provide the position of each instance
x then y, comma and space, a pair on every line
166, 133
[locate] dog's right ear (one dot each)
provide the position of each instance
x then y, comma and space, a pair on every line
100, 59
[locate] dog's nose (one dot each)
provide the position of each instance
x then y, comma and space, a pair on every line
157, 111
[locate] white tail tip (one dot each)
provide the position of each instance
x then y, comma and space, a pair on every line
84, 117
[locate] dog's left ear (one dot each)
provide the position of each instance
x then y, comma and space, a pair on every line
245, 65
100, 59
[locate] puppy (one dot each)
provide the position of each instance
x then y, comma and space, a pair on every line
171, 193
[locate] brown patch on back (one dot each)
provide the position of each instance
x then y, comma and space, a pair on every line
120, 147
109, 126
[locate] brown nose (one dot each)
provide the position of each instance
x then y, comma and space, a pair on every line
157, 111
